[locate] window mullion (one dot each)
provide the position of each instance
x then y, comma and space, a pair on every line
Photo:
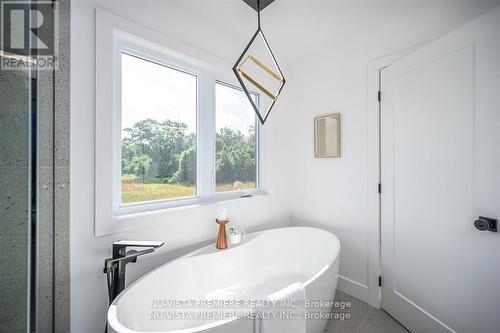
206, 141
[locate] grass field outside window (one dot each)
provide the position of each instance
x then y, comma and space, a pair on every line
133, 191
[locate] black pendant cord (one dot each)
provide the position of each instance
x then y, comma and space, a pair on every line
258, 14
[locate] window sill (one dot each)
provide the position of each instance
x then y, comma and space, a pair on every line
188, 203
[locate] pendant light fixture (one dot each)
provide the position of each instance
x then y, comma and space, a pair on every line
257, 69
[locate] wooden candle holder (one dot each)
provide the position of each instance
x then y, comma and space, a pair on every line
222, 237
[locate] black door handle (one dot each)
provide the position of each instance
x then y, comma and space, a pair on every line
486, 224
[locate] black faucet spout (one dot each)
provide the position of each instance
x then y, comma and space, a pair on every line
114, 267
130, 256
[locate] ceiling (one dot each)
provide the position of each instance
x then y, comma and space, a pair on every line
298, 28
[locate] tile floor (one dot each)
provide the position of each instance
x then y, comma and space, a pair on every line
363, 318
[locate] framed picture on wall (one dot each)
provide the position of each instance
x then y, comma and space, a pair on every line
327, 136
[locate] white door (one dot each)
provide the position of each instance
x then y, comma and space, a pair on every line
440, 171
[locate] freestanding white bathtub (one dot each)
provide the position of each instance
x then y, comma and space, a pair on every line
265, 263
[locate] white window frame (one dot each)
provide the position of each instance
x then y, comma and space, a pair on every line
205, 129
111, 214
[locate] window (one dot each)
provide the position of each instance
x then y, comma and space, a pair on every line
236, 140
171, 131
158, 131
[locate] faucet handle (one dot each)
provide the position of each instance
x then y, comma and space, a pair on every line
120, 246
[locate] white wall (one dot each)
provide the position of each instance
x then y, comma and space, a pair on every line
183, 229
332, 193
324, 55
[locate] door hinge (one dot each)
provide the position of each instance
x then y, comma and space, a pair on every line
379, 96
380, 281
379, 188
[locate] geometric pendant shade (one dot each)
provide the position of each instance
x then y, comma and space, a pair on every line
258, 71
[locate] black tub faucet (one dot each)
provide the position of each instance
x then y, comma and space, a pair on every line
114, 267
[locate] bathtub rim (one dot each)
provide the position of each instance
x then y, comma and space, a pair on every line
112, 313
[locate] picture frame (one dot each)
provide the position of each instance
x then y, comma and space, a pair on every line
327, 136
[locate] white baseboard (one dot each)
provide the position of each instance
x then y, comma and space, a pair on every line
353, 288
